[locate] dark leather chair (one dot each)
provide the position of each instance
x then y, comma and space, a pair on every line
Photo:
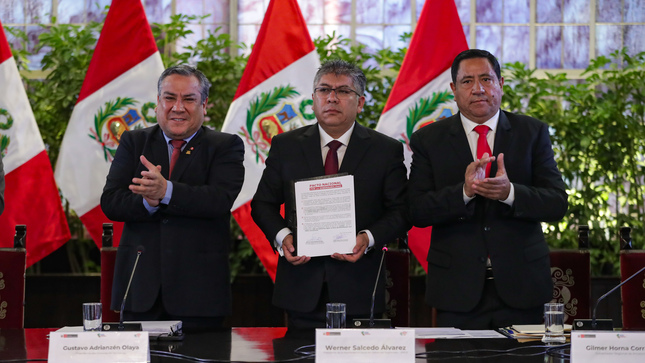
13, 263
571, 275
397, 287
633, 291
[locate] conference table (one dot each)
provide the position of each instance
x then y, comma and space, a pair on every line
278, 345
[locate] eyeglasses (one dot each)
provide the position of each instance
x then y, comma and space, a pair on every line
341, 92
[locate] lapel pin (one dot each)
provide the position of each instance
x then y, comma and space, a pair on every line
189, 150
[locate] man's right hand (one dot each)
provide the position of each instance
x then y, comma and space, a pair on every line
476, 171
288, 249
151, 185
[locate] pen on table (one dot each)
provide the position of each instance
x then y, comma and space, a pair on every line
509, 333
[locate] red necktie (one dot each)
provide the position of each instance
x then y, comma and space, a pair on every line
176, 150
482, 145
331, 161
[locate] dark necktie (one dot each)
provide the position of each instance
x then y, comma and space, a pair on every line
482, 145
331, 161
176, 150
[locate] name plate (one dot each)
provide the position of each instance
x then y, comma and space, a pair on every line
369, 345
99, 347
607, 346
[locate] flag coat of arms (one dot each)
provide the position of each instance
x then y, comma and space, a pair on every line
274, 96
421, 93
31, 195
118, 94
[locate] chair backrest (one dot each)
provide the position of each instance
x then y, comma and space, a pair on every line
571, 275
13, 262
397, 287
108, 256
633, 292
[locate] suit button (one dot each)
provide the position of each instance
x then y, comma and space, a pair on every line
164, 221
486, 229
482, 259
462, 218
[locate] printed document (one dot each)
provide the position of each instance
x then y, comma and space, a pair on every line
325, 215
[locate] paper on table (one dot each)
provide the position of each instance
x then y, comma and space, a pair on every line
154, 328
484, 334
162, 327
530, 332
535, 328
439, 333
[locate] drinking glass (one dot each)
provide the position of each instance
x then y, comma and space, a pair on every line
92, 316
336, 316
554, 323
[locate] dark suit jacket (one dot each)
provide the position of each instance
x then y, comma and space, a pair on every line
186, 242
376, 162
464, 235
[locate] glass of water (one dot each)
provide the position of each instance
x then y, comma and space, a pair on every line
336, 315
92, 316
554, 323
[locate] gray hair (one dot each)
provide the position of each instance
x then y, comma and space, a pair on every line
186, 71
342, 68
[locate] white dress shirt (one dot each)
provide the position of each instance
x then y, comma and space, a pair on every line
473, 136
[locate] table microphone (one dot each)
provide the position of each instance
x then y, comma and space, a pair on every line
600, 324
121, 326
371, 322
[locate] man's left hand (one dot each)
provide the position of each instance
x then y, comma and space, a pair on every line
496, 188
151, 185
362, 242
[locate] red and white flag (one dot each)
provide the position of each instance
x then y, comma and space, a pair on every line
31, 196
421, 93
274, 96
119, 93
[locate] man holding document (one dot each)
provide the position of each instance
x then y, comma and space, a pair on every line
337, 144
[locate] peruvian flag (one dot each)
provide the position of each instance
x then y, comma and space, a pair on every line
274, 96
31, 196
421, 93
119, 93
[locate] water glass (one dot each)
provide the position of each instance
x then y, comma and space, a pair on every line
336, 316
554, 323
92, 316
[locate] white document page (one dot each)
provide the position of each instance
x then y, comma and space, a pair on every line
326, 216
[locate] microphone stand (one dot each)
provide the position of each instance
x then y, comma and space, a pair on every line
375, 285
371, 322
121, 326
601, 324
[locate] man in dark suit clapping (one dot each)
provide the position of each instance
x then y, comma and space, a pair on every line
484, 179
173, 185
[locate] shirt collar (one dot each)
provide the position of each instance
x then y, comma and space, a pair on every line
186, 139
326, 139
469, 125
